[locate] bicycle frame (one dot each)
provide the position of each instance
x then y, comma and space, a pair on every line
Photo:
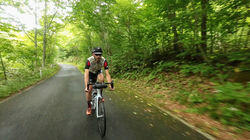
95, 101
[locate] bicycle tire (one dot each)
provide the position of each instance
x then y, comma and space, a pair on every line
102, 120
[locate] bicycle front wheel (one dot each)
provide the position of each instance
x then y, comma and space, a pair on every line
102, 119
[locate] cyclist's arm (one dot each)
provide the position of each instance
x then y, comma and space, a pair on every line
108, 76
86, 73
106, 67
86, 77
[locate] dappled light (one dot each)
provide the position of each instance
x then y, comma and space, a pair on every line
179, 62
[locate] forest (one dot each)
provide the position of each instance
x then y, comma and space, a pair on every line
158, 42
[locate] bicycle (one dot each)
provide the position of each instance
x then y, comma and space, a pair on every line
97, 105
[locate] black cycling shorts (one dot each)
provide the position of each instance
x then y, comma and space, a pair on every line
93, 76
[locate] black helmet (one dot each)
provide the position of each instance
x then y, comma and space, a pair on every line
97, 50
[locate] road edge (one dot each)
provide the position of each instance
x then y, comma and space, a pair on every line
198, 130
25, 89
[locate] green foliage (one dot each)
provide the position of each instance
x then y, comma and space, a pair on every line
222, 77
162, 36
189, 97
192, 110
200, 69
231, 104
22, 78
22, 47
145, 71
166, 66
150, 77
158, 95
195, 98
240, 56
182, 96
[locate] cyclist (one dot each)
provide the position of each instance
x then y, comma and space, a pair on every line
93, 72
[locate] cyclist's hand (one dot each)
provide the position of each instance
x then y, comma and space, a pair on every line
86, 90
112, 89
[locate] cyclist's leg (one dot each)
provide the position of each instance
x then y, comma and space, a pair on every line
88, 94
92, 79
100, 78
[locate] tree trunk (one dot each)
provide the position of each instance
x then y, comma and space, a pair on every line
204, 4
88, 36
212, 43
212, 38
4, 70
176, 47
238, 41
247, 40
196, 32
129, 33
36, 54
174, 29
44, 33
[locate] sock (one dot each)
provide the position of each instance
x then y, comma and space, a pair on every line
89, 104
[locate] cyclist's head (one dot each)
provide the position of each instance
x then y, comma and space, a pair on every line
97, 53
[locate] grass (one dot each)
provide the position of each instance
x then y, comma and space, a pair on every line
224, 102
158, 96
24, 78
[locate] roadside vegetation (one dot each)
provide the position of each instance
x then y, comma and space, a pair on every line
27, 54
194, 52
19, 79
183, 95
201, 88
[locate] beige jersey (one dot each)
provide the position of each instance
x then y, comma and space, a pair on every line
94, 66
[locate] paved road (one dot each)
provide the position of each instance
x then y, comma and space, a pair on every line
54, 110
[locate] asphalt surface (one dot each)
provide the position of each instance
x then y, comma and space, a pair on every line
55, 110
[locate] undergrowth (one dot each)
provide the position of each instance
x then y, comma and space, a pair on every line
21, 78
225, 101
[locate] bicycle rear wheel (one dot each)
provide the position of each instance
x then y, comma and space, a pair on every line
101, 120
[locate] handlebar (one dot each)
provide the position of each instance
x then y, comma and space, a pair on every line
101, 85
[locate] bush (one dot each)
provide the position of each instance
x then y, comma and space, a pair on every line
241, 56
181, 96
231, 104
201, 69
190, 97
166, 66
21, 78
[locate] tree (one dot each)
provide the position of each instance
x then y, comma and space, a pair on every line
44, 32
204, 4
